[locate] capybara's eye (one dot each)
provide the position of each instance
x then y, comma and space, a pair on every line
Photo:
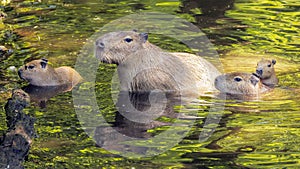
30, 67
269, 65
237, 79
128, 40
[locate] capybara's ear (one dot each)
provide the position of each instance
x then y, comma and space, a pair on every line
273, 61
254, 80
43, 59
144, 37
43, 64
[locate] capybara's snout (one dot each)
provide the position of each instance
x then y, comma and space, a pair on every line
99, 47
20, 71
259, 72
216, 80
100, 44
220, 81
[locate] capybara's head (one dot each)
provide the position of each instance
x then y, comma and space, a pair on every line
115, 47
265, 68
35, 71
238, 83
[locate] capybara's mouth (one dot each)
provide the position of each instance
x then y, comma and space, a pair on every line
104, 59
99, 56
108, 61
256, 75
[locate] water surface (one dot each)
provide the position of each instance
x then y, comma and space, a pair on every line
262, 133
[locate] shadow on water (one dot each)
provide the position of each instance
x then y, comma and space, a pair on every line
210, 17
210, 11
145, 109
139, 113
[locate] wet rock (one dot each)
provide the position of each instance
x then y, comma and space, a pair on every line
15, 144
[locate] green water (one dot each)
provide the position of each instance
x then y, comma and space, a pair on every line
256, 134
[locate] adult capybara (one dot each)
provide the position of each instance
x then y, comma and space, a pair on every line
40, 73
240, 84
266, 72
143, 67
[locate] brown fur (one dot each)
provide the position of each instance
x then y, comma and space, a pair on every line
37, 75
266, 72
143, 66
240, 83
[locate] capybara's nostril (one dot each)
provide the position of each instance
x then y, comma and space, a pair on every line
100, 44
259, 71
216, 80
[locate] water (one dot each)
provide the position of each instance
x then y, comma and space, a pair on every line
261, 133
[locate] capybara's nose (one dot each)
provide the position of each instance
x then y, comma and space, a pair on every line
259, 71
20, 73
216, 80
100, 44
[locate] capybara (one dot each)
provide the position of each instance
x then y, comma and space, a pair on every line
266, 72
40, 73
143, 67
240, 83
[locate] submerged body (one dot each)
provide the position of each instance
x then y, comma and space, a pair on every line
143, 67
